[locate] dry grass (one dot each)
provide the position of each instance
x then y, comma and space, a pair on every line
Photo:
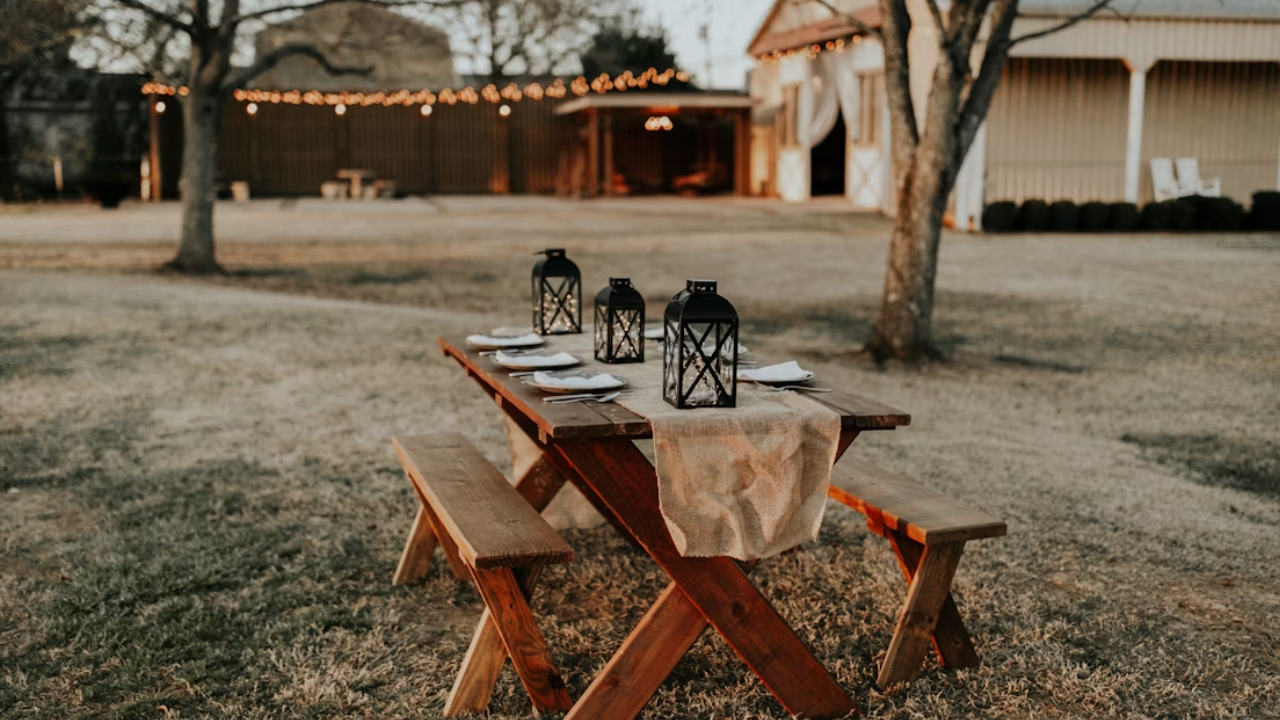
199, 510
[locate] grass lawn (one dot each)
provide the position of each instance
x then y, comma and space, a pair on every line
200, 511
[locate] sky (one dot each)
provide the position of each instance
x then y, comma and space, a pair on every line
730, 23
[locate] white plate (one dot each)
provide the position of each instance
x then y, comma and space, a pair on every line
537, 362
771, 376
494, 343
551, 385
653, 333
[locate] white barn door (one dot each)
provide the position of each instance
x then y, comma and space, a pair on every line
867, 172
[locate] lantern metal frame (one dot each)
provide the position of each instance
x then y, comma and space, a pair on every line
555, 301
619, 332
710, 352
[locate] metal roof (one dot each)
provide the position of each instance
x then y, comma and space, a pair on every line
1223, 9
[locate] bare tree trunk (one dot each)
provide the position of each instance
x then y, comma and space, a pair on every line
926, 161
904, 328
199, 165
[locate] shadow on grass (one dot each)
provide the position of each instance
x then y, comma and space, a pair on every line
369, 277
265, 272
190, 579
1248, 464
27, 355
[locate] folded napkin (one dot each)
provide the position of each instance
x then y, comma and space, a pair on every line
577, 382
494, 341
782, 372
532, 361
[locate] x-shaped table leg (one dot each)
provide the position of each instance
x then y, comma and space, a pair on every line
714, 590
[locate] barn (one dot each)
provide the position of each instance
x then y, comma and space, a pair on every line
1079, 114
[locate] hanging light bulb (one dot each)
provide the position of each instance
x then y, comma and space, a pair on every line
252, 108
426, 111
505, 110
160, 107
340, 109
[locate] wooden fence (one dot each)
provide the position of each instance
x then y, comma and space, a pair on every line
289, 150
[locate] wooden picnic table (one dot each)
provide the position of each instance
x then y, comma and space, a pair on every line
590, 445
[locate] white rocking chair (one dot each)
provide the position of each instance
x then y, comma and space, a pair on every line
1189, 179
1163, 183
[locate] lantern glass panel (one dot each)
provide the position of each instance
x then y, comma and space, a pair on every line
619, 333
557, 295
700, 349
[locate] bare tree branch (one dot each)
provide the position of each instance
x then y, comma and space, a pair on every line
275, 57
860, 26
974, 108
163, 17
897, 70
937, 20
258, 14
1097, 6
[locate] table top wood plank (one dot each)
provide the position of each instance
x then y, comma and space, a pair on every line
575, 421
563, 421
858, 412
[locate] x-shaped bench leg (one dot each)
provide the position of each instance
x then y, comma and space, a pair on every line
507, 629
487, 654
716, 588
929, 614
415, 560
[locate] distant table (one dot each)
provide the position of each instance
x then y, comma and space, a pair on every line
589, 444
357, 178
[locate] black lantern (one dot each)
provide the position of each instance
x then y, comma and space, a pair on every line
700, 348
557, 295
619, 323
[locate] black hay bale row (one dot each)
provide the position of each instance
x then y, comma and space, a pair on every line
1063, 216
1214, 214
1265, 212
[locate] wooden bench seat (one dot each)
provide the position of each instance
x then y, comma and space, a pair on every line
927, 531
491, 535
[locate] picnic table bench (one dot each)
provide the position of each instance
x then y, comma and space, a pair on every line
590, 445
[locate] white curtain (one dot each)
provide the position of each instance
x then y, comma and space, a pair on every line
849, 90
833, 90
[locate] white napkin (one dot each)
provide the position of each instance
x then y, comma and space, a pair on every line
782, 372
577, 382
510, 332
491, 341
560, 359
653, 333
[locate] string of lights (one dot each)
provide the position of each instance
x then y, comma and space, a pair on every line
512, 92
812, 51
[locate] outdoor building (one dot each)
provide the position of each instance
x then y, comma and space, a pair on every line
607, 136
645, 143
1079, 115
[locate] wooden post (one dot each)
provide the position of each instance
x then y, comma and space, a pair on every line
500, 177
593, 153
415, 560
608, 152
153, 152
742, 154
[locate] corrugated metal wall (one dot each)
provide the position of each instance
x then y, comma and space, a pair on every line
291, 149
1226, 115
1056, 130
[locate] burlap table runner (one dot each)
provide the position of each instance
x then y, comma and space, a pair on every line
747, 482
